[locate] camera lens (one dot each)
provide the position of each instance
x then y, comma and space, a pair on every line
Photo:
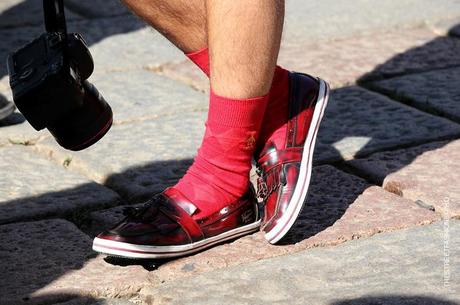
86, 124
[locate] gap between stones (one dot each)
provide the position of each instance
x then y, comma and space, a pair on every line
407, 100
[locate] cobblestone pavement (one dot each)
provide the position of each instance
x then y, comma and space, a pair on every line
381, 224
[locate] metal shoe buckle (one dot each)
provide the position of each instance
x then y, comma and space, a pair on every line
262, 188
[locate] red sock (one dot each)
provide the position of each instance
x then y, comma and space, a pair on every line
220, 172
273, 126
201, 59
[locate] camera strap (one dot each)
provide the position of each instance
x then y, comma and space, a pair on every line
55, 23
55, 17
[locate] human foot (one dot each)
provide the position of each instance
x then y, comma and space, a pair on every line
211, 203
166, 227
285, 162
220, 172
285, 144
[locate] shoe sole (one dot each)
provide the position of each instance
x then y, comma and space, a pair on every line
127, 250
297, 202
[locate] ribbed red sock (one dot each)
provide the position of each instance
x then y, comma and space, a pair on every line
201, 59
273, 128
274, 125
220, 172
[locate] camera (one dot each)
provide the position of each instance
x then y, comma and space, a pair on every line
48, 78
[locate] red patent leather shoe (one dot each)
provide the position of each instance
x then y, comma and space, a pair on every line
164, 227
284, 173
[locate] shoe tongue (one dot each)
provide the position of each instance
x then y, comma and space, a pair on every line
180, 200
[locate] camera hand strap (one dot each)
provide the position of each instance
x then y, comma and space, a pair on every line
55, 23
54, 16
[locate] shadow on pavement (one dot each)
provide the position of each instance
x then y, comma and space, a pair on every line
30, 280
22, 277
455, 31
395, 300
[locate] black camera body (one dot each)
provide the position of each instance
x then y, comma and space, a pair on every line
48, 77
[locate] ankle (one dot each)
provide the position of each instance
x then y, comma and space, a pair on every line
276, 114
201, 59
219, 175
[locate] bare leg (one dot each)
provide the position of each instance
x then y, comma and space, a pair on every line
183, 22
244, 38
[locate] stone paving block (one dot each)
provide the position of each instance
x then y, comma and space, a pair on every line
92, 301
33, 187
140, 95
358, 122
373, 56
428, 173
340, 207
344, 61
330, 19
446, 27
187, 72
15, 13
119, 43
15, 130
52, 261
125, 43
97, 8
436, 91
405, 267
137, 159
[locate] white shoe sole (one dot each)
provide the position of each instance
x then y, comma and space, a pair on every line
297, 202
115, 248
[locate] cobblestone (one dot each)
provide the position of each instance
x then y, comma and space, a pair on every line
421, 174
358, 122
140, 95
52, 261
15, 130
329, 19
342, 207
446, 27
345, 61
32, 187
110, 41
402, 267
372, 56
139, 159
436, 91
